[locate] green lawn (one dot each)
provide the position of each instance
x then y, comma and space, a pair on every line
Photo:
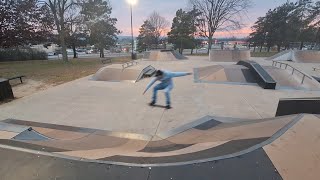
197, 54
53, 71
263, 54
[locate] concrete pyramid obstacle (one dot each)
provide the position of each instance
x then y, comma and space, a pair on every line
297, 56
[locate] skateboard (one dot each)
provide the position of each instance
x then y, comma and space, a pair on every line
158, 106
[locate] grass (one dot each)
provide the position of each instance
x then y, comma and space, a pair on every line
253, 54
197, 54
263, 54
53, 71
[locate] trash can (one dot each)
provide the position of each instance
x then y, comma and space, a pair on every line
134, 56
5, 90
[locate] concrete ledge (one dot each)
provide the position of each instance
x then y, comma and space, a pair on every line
297, 106
264, 79
229, 55
5, 90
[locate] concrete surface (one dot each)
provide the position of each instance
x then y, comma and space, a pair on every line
157, 55
301, 56
229, 55
120, 106
116, 72
296, 154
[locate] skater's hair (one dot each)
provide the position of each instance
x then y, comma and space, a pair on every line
159, 73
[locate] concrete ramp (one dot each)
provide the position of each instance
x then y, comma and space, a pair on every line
297, 56
163, 55
296, 153
116, 73
205, 138
307, 56
282, 56
236, 74
229, 55
241, 75
298, 105
286, 80
274, 148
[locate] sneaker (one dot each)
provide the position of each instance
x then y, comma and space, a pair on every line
152, 103
168, 107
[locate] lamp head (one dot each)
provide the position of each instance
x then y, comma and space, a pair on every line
132, 2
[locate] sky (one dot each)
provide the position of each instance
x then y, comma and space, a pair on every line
168, 8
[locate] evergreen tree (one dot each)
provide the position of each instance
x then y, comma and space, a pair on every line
183, 30
146, 37
151, 31
101, 27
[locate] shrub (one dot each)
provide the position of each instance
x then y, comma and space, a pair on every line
19, 54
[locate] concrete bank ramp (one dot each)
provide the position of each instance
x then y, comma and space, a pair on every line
241, 75
296, 153
227, 148
286, 80
236, 74
206, 138
301, 56
116, 73
163, 55
229, 55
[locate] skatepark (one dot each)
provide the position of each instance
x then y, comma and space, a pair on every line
225, 123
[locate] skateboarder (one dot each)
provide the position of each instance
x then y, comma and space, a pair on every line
166, 84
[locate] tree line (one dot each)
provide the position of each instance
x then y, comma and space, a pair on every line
67, 22
72, 23
288, 23
203, 20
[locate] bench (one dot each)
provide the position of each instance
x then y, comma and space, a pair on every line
5, 90
17, 77
129, 64
315, 69
106, 60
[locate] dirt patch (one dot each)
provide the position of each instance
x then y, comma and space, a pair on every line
29, 87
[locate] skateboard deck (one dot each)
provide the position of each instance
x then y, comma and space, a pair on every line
158, 106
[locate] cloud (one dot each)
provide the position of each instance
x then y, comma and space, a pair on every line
167, 9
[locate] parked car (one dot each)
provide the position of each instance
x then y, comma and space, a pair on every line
70, 52
92, 51
51, 54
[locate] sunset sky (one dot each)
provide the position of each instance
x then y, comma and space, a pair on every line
168, 8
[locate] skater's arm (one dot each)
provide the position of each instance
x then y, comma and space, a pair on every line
150, 84
179, 74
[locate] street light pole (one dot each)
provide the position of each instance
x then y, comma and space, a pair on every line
132, 42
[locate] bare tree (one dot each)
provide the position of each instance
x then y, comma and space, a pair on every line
159, 23
73, 25
219, 15
59, 9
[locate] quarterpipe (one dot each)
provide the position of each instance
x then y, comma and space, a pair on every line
163, 55
273, 147
241, 75
297, 56
229, 55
